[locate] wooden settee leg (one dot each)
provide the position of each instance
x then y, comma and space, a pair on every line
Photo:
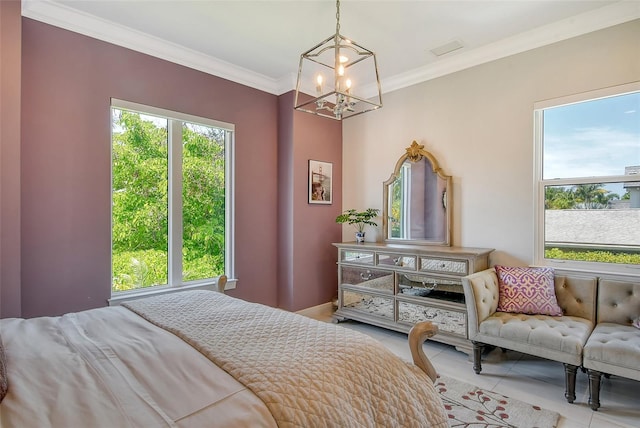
477, 357
594, 389
570, 382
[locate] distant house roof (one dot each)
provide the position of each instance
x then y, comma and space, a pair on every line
604, 227
632, 170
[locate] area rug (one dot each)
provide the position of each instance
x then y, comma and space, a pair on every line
470, 406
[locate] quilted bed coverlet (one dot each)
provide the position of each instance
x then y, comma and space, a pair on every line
308, 373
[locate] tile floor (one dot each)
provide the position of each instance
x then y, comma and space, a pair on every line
526, 378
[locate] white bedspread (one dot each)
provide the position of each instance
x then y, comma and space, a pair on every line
110, 368
309, 373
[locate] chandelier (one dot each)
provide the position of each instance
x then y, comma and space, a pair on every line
335, 72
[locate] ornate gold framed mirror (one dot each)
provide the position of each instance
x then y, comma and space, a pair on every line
417, 200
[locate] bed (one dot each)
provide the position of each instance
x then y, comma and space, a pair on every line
205, 359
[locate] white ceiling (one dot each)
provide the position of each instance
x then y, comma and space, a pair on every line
259, 42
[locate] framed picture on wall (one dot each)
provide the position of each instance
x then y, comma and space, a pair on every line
320, 182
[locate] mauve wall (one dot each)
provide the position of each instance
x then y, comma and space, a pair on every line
10, 24
314, 225
307, 263
67, 83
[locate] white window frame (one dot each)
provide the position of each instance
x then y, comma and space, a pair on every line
406, 197
540, 183
174, 130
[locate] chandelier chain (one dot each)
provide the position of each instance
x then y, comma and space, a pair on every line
337, 16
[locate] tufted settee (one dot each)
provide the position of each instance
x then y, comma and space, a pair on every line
614, 345
557, 338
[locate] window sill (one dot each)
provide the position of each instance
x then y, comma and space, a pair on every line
124, 296
621, 272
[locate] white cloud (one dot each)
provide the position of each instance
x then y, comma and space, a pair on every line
590, 152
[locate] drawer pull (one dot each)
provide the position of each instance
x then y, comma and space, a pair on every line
366, 277
415, 278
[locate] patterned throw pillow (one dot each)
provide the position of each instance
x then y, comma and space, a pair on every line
527, 290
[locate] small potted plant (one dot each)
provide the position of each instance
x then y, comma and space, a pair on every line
359, 219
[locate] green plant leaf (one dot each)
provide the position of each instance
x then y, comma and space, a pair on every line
359, 219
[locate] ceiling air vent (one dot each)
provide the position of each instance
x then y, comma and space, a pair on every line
447, 48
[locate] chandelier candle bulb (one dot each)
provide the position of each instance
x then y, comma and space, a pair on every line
319, 84
339, 77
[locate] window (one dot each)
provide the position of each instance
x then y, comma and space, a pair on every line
171, 198
588, 181
399, 198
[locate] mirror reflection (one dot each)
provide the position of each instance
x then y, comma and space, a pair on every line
417, 198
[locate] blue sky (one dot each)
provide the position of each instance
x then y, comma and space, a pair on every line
592, 138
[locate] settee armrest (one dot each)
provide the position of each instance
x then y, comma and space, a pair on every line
418, 334
481, 297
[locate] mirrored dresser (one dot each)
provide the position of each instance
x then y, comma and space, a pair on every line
394, 286
415, 275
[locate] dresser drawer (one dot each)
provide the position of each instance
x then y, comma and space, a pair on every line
448, 321
367, 303
399, 261
430, 264
373, 279
417, 285
357, 257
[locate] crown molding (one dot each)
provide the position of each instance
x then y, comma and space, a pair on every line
287, 83
597, 19
62, 16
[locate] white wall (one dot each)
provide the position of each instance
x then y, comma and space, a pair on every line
478, 123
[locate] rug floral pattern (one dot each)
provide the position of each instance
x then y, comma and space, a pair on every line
470, 406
